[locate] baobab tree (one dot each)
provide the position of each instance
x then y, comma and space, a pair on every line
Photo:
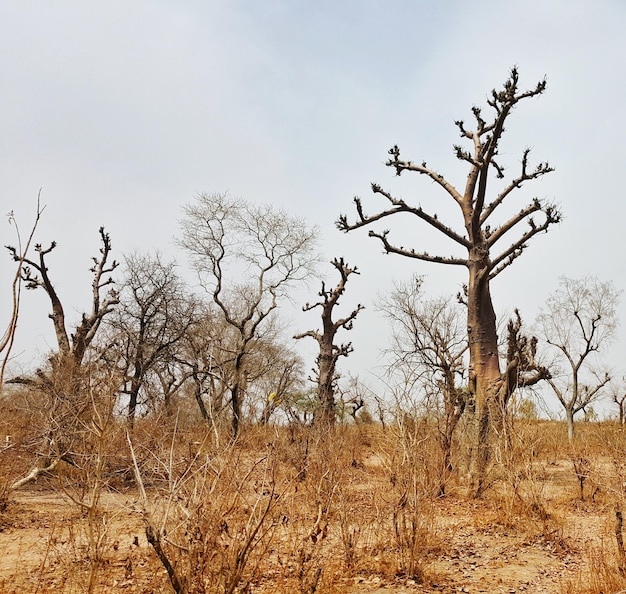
247, 258
35, 274
577, 322
66, 381
488, 246
329, 352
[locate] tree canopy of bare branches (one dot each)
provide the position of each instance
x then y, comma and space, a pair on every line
329, 352
428, 346
247, 258
578, 321
490, 245
154, 315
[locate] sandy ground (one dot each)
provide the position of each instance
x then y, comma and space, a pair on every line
43, 536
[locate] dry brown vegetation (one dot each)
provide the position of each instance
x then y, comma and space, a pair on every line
297, 509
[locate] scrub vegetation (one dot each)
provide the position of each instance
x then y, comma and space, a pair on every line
172, 440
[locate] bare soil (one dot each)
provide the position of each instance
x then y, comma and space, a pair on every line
483, 546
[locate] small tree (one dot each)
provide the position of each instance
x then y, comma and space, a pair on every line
577, 322
618, 395
488, 245
8, 338
428, 345
152, 319
326, 371
247, 258
279, 374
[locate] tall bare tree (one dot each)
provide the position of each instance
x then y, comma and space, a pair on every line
247, 257
69, 374
35, 274
577, 322
326, 371
480, 238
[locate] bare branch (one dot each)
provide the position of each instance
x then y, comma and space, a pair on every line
425, 256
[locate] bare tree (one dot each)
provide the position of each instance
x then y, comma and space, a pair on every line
8, 338
481, 238
618, 395
198, 356
35, 274
69, 374
278, 375
153, 317
326, 373
428, 343
577, 322
247, 258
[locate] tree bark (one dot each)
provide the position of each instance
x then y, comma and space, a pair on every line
569, 417
484, 368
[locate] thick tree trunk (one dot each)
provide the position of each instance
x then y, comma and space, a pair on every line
133, 399
326, 394
484, 369
569, 417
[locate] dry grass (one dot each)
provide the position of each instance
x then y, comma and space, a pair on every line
294, 509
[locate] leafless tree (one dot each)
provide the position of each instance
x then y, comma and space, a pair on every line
618, 395
579, 320
8, 338
153, 317
247, 258
278, 375
429, 343
198, 357
326, 373
481, 238
69, 374
35, 274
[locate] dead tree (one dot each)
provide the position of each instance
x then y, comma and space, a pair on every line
479, 241
8, 338
67, 376
326, 362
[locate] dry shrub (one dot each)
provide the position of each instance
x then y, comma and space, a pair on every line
520, 494
600, 575
318, 516
406, 528
212, 519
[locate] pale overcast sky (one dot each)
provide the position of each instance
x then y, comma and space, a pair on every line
122, 111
